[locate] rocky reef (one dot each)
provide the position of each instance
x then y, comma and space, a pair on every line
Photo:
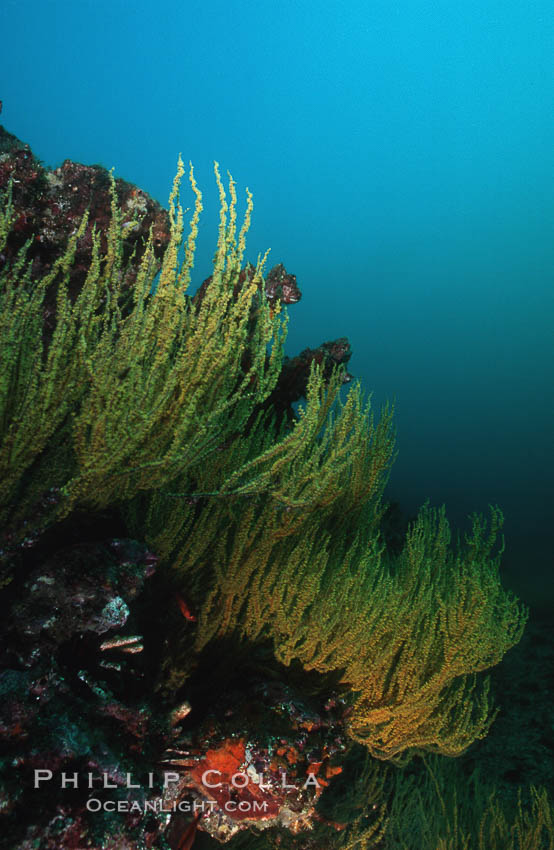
80, 717
214, 630
81, 734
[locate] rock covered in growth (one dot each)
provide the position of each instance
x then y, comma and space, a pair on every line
73, 703
293, 379
70, 695
84, 588
48, 205
279, 286
260, 759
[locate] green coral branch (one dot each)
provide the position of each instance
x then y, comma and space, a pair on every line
149, 392
142, 393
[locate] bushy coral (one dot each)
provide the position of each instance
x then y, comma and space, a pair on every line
152, 404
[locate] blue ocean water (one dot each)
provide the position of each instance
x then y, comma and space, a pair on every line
401, 156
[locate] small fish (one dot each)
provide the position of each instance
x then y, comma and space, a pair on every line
184, 608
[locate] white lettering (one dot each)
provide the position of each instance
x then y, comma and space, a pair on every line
284, 781
261, 783
71, 780
129, 783
169, 778
205, 780
42, 776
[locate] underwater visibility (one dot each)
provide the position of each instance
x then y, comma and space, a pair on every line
216, 629
276, 418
